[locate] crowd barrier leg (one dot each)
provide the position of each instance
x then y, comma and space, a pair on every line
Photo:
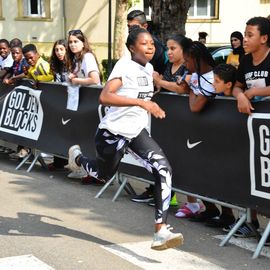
262, 241
24, 161
234, 229
124, 184
102, 190
37, 157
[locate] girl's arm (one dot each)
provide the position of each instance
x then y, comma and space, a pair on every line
196, 102
171, 86
109, 97
93, 78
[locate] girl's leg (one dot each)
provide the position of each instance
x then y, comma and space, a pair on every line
152, 157
110, 149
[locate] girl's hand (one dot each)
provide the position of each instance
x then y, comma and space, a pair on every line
183, 87
71, 76
153, 108
243, 104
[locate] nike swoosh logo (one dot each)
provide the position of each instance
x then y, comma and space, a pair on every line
64, 122
192, 145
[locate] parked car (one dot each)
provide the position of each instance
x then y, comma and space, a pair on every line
220, 53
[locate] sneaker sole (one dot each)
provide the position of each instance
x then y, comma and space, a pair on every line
172, 243
142, 201
71, 163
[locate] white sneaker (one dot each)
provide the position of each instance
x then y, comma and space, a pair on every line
73, 152
78, 174
164, 239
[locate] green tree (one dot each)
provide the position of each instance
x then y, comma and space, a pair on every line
169, 17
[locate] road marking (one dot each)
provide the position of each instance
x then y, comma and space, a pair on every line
25, 262
141, 255
246, 243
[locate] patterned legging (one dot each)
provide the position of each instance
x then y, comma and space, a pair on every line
110, 149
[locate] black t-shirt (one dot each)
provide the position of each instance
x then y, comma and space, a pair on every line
168, 76
159, 60
254, 76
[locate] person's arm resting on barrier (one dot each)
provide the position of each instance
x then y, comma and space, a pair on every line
243, 103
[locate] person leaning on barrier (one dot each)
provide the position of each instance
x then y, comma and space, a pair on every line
82, 63
16, 72
39, 69
6, 60
253, 81
200, 64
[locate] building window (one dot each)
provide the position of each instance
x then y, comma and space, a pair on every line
34, 9
203, 9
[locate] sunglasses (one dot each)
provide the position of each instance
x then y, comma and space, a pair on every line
75, 32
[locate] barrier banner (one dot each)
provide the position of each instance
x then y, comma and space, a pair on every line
218, 153
39, 118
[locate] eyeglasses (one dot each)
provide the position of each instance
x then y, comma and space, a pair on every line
75, 32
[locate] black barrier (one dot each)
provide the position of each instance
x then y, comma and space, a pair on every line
60, 127
218, 153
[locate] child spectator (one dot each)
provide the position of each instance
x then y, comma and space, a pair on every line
224, 79
200, 64
39, 69
16, 72
128, 92
58, 66
82, 63
6, 60
15, 42
253, 80
83, 70
58, 61
237, 49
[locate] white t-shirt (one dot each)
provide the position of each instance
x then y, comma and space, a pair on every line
88, 64
7, 62
137, 82
206, 87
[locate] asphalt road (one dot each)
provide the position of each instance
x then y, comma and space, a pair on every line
49, 220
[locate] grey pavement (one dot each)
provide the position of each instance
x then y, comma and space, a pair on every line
56, 220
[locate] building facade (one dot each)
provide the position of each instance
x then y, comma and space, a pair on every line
44, 21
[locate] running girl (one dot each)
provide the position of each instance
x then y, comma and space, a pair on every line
128, 92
